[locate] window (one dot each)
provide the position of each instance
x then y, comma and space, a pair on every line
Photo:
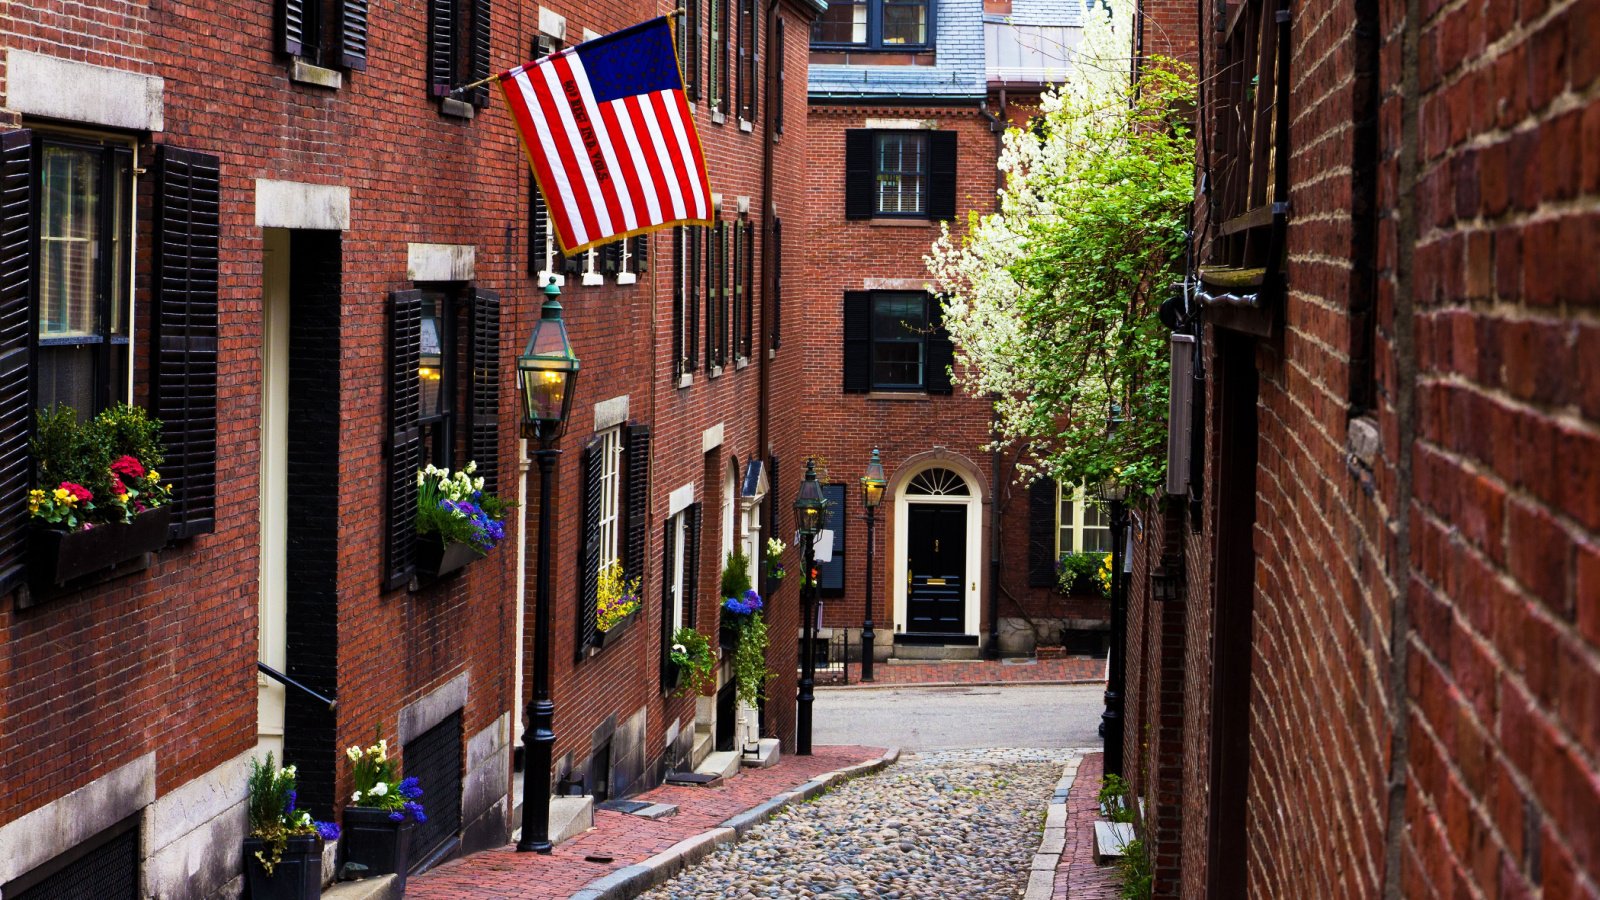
777, 103
748, 86
894, 341
716, 295
610, 495
1082, 523
686, 243
458, 49
717, 77
741, 341
777, 282
900, 174
830, 575
436, 377
874, 25
746, 286
85, 227
680, 571
324, 32
688, 35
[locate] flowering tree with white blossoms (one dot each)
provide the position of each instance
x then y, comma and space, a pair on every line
1051, 302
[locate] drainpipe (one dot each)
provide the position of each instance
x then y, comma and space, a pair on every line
760, 355
991, 649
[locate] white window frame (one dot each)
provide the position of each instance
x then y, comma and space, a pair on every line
625, 275
610, 496
591, 268
680, 535
1076, 527
551, 251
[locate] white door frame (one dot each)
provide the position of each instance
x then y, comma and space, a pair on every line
973, 501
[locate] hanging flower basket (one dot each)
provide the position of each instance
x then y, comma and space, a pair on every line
57, 556
436, 559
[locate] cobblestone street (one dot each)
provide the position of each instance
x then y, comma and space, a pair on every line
956, 824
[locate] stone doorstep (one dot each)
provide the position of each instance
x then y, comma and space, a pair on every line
569, 816
631, 881
1110, 840
722, 763
766, 756
378, 887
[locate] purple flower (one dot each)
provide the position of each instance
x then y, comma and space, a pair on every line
410, 789
293, 795
328, 830
397, 816
415, 809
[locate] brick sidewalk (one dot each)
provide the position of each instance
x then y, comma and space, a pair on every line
1077, 877
505, 873
1074, 669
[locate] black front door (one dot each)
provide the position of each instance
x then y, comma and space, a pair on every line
936, 568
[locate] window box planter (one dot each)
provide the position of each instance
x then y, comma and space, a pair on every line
370, 838
728, 635
298, 876
436, 559
674, 678
603, 639
57, 557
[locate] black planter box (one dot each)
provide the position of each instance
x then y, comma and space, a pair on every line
370, 838
674, 677
56, 557
436, 559
298, 876
603, 639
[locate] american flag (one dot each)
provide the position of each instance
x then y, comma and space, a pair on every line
610, 137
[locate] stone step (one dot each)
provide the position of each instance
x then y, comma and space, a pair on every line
722, 763
1110, 839
704, 743
378, 887
766, 754
569, 816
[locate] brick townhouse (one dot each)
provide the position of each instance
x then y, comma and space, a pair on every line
292, 233
1363, 650
908, 101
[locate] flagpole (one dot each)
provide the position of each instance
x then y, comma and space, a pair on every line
680, 11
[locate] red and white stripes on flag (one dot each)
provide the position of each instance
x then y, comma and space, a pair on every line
610, 137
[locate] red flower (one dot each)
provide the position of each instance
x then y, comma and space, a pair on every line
77, 490
117, 487
128, 466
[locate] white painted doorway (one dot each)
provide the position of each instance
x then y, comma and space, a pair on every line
938, 485
274, 488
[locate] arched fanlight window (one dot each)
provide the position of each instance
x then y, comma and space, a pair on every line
938, 483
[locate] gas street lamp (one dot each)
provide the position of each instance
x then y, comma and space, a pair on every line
809, 505
1114, 495
547, 372
872, 485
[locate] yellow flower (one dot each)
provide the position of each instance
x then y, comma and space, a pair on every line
153, 475
63, 495
122, 498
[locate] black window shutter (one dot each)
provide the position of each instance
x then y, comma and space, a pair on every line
942, 174
292, 27
860, 188
941, 352
857, 342
637, 494
441, 60
777, 100
611, 258
713, 247
691, 305
483, 435
667, 547
16, 326
183, 383
353, 34
481, 32
830, 574
641, 254
777, 279
749, 344
680, 256
538, 230
405, 436
589, 548
691, 563
574, 264
1042, 525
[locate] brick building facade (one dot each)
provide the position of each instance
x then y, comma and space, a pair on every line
905, 121
1362, 659
358, 202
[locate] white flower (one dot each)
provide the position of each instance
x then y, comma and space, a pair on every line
354, 753
380, 789
680, 649
471, 467
356, 797
383, 749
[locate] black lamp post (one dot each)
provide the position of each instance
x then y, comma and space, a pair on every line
1115, 496
547, 372
871, 495
808, 507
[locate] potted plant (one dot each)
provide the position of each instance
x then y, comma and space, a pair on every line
775, 570
456, 521
616, 599
100, 501
1084, 573
283, 850
739, 599
693, 661
384, 809
741, 615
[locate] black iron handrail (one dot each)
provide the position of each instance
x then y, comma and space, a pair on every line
277, 676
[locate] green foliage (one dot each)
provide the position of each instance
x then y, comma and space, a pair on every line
1135, 872
735, 574
453, 506
750, 660
1113, 799
1078, 573
691, 652
271, 813
1052, 302
96, 472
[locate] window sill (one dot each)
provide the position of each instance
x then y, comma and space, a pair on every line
457, 109
302, 72
916, 396
887, 222
740, 363
546, 276
627, 278
746, 124
685, 380
590, 279
718, 117
714, 371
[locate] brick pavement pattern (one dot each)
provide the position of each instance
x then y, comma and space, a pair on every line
505, 873
1039, 671
1077, 876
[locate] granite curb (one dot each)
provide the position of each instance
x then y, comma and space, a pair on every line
1042, 873
631, 881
